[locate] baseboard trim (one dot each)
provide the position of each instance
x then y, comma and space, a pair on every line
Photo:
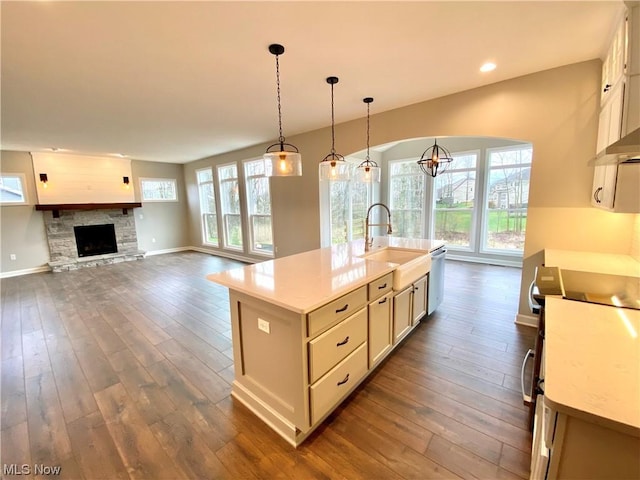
26, 271
167, 250
527, 320
487, 261
225, 254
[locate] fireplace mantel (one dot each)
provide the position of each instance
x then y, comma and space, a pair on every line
56, 207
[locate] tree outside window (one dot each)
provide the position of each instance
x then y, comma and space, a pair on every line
406, 198
455, 201
208, 206
230, 205
259, 207
507, 198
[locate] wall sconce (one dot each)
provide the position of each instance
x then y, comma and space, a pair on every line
125, 181
44, 180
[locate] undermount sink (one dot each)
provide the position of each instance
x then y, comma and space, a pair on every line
411, 264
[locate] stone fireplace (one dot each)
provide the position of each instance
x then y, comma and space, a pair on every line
62, 225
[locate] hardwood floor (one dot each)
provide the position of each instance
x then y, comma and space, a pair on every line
124, 371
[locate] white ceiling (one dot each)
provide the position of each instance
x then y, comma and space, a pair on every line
179, 81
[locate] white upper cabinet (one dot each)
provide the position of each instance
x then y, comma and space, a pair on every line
613, 67
610, 119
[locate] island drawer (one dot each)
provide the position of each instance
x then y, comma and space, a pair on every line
335, 385
328, 349
380, 286
333, 312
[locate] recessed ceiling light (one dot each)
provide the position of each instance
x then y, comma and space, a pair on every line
487, 67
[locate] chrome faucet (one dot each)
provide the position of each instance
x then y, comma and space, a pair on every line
367, 241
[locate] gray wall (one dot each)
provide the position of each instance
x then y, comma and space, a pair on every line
22, 230
166, 222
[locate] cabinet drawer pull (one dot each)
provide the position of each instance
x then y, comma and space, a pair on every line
346, 379
343, 308
343, 342
384, 300
380, 287
607, 87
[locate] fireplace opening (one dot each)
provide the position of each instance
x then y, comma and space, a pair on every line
95, 239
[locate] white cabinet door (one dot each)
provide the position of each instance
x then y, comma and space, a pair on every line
402, 313
604, 186
379, 329
614, 63
419, 300
610, 119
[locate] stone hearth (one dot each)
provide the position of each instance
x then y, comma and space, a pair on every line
62, 243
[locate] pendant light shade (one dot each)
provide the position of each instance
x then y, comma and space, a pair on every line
368, 171
334, 166
435, 160
281, 159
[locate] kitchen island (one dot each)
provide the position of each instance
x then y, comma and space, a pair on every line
308, 328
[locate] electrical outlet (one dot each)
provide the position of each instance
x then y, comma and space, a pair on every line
12, 256
264, 325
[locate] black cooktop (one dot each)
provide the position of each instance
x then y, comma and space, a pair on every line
605, 289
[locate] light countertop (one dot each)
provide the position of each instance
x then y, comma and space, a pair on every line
308, 280
592, 358
614, 264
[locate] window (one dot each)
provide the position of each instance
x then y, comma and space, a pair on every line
349, 202
454, 202
507, 198
208, 207
13, 189
258, 207
230, 206
159, 190
406, 198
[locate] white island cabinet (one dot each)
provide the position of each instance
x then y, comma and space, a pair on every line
308, 328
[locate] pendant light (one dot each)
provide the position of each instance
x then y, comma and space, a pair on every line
333, 166
368, 171
435, 160
281, 163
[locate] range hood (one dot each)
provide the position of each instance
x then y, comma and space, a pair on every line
627, 149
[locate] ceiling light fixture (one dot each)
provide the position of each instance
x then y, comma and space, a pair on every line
333, 166
368, 171
435, 160
487, 67
281, 163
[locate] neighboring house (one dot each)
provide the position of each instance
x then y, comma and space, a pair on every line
456, 192
511, 191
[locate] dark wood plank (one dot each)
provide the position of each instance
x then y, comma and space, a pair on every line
187, 448
48, 435
13, 398
139, 450
74, 392
94, 448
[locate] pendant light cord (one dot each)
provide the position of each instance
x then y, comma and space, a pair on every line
281, 137
367, 132
333, 136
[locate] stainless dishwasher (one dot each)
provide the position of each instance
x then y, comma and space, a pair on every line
436, 279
